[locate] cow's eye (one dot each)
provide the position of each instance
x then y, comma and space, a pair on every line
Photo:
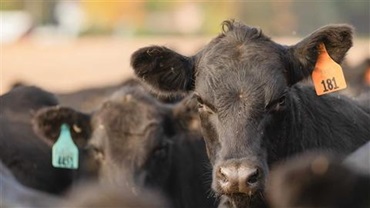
280, 104
95, 152
200, 102
276, 105
281, 101
161, 151
203, 106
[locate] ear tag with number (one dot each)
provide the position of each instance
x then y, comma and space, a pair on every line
65, 152
328, 75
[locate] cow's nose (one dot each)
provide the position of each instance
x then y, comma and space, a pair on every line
233, 179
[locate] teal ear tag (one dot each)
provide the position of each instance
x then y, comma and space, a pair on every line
65, 152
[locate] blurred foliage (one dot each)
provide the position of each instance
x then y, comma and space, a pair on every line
153, 5
40, 10
11, 5
165, 17
310, 14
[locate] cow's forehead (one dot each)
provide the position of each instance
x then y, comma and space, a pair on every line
131, 123
249, 79
128, 112
241, 62
238, 43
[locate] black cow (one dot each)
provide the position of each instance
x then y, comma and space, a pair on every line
317, 179
136, 137
26, 156
252, 108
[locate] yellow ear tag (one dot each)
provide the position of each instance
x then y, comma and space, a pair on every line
328, 75
65, 152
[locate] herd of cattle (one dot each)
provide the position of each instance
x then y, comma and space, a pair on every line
235, 125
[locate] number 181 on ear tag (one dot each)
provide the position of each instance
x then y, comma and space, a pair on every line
65, 152
327, 76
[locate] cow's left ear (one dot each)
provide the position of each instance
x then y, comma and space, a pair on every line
165, 70
337, 40
47, 122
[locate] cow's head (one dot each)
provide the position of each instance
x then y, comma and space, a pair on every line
130, 136
241, 80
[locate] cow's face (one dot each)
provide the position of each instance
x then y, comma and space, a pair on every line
129, 137
241, 80
130, 134
239, 84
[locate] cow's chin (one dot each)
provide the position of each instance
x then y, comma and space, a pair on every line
243, 200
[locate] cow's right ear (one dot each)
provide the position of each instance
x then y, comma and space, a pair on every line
337, 40
47, 123
163, 69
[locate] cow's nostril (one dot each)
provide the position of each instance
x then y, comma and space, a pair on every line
253, 178
234, 179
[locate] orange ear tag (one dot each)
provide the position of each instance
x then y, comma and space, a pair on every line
367, 76
328, 75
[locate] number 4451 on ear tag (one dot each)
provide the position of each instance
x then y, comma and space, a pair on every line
65, 152
328, 75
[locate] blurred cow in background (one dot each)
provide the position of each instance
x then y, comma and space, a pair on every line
318, 179
21, 150
135, 137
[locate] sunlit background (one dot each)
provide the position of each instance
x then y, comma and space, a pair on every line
64, 45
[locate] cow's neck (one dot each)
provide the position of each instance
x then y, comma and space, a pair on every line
328, 123
185, 186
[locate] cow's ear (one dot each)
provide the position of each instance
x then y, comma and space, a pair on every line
337, 40
47, 123
163, 69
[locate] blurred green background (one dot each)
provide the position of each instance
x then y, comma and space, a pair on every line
133, 18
